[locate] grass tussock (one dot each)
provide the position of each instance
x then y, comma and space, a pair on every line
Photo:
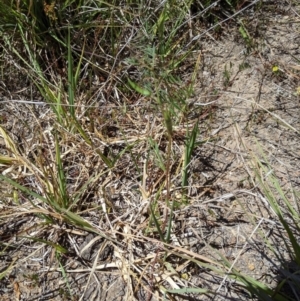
100, 134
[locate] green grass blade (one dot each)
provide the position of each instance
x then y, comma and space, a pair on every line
170, 221
75, 219
61, 176
137, 88
189, 148
157, 225
64, 274
71, 81
57, 247
24, 189
160, 160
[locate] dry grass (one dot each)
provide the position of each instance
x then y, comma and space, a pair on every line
118, 181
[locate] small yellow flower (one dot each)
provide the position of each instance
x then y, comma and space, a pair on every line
185, 276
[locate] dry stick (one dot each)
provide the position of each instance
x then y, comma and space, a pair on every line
37, 102
239, 254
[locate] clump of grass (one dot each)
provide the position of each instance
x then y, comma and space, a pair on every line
63, 60
286, 210
111, 73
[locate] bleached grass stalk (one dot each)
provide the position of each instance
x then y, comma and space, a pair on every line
238, 256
